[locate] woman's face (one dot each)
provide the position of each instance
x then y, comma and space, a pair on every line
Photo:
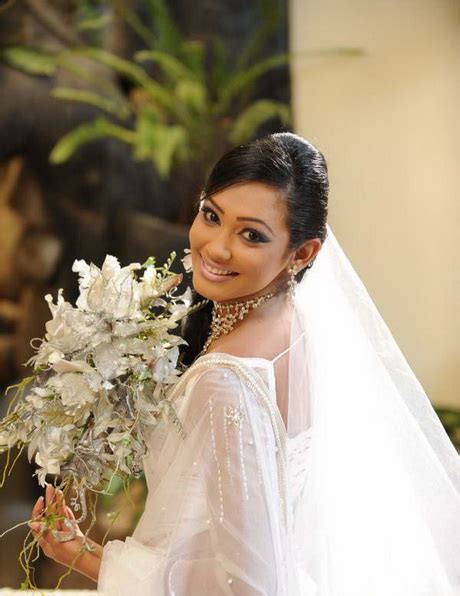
239, 242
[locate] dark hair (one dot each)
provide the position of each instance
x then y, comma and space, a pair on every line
284, 161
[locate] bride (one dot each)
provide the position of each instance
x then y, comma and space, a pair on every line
313, 463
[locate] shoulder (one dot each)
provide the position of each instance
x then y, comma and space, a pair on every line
218, 369
222, 378
221, 368
220, 384
212, 389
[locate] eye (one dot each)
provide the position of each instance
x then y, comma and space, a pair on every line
209, 215
253, 236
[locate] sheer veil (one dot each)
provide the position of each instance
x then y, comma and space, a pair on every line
380, 512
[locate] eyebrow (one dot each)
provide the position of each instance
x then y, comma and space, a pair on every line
255, 219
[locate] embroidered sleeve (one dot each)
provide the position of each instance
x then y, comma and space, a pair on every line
239, 464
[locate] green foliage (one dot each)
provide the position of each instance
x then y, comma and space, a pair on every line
180, 110
247, 123
158, 142
30, 60
98, 129
242, 81
450, 418
119, 108
94, 23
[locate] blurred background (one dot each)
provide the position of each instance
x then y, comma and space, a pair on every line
113, 111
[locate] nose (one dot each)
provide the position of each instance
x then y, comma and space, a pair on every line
218, 249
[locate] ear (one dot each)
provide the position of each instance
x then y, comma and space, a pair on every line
306, 253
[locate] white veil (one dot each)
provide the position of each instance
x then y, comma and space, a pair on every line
380, 512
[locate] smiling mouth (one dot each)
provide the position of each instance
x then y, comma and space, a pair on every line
216, 272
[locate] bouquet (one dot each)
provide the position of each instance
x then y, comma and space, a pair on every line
100, 378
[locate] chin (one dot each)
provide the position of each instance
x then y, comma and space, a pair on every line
206, 289
218, 290
222, 294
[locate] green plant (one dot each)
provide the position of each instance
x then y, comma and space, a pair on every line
180, 113
187, 100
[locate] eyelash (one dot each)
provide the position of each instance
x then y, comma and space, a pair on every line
261, 238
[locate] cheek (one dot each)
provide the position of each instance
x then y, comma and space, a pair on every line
192, 232
265, 259
196, 235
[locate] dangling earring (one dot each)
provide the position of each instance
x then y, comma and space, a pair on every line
292, 283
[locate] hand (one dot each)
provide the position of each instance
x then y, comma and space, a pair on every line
69, 553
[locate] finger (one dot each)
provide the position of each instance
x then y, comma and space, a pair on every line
37, 528
64, 511
50, 495
60, 500
70, 513
59, 508
37, 510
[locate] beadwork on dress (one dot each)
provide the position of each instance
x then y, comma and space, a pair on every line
233, 416
255, 384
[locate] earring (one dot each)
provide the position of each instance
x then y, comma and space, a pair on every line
292, 283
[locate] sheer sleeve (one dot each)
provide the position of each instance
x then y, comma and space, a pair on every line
212, 523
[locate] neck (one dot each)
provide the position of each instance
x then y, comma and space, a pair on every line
228, 315
274, 289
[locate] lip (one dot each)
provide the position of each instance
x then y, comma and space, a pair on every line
213, 276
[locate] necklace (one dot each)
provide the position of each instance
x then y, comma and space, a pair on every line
225, 316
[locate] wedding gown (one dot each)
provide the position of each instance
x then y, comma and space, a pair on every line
357, 495
221, 505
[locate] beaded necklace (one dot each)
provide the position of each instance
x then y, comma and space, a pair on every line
225, 316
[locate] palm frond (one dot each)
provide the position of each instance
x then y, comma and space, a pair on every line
243, 80
31, 60
85, 133
246, 125
173, 68
136, 74
118, 108
270, 14
168, 37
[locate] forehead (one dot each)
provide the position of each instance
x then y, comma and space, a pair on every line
253, 199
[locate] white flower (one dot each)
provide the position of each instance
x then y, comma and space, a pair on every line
165, 366
148, 286
14, 434
68, 331
187, 260
111, 290
110, 361
179, 311
53, 445
35, 400
47, 465
72, 388
63, 366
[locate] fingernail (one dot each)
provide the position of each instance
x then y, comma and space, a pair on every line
40, 499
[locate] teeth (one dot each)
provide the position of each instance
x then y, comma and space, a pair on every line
217, 271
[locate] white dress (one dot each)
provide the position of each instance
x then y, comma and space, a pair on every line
221, 503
